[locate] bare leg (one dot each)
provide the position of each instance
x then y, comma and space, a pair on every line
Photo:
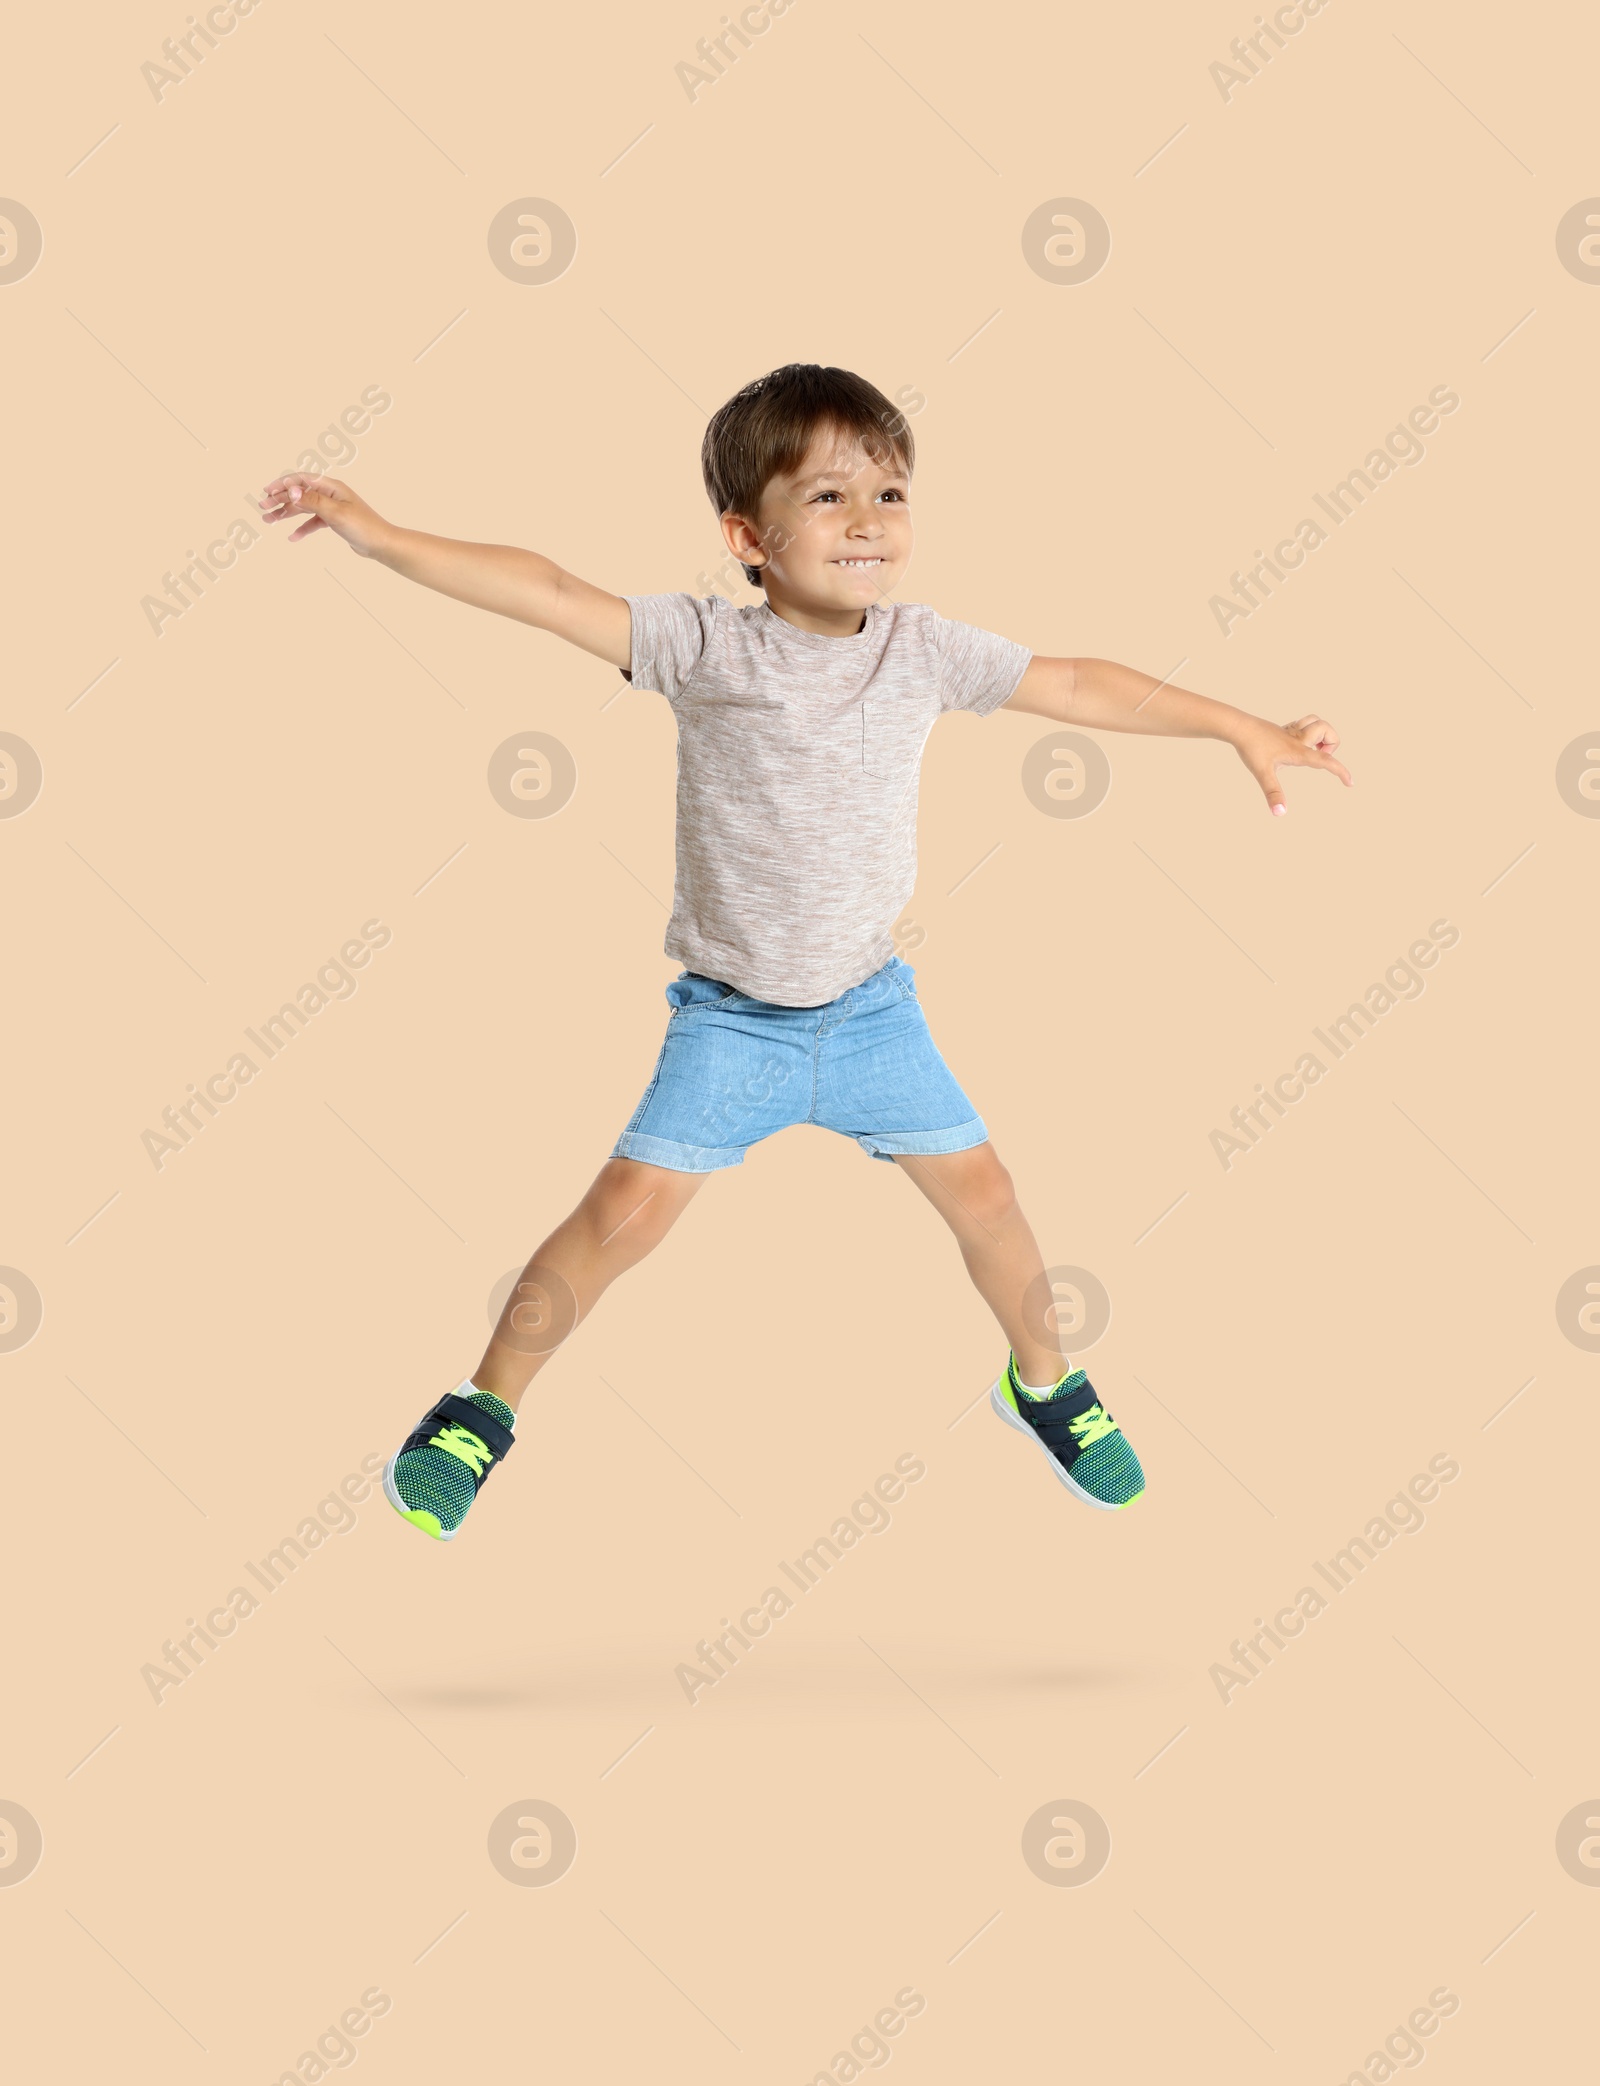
629, 1208
974, 1194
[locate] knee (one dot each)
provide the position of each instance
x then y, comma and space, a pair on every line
637, 1203
988, 1192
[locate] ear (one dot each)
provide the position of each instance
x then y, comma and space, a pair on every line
743, 541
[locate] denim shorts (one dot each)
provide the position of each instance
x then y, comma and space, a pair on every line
733, 1070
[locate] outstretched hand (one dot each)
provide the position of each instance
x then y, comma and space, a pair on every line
323, 503
1307, 743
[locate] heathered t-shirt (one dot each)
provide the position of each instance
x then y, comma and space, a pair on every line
798, 762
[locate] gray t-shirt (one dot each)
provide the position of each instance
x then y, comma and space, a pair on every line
798, 760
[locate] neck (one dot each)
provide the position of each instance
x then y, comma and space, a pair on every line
821, 622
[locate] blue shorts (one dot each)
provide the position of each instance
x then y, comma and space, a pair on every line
733, 1070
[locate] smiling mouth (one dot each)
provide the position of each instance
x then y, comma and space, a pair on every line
858, 564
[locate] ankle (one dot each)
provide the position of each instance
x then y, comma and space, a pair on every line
1040, 1370
510, 1395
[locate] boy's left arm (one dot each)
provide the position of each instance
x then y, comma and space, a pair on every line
1107, 697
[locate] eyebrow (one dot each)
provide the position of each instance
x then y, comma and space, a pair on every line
847, 477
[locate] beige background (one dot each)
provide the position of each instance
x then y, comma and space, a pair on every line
224, 271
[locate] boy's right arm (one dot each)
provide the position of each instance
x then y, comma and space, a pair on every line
495, 576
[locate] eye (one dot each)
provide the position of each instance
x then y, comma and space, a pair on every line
826, 496
892, 494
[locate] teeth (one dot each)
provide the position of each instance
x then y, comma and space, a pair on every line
858, 564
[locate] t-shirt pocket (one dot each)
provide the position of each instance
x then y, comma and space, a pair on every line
888, 740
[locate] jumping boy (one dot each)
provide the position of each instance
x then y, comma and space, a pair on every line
801, 723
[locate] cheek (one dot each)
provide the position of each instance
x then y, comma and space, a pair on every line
812, 545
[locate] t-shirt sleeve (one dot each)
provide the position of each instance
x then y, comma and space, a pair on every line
669, 637
977, 670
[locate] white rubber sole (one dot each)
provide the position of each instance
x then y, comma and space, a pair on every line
997, 1399
400, 1507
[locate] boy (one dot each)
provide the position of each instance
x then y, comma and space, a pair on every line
801, 722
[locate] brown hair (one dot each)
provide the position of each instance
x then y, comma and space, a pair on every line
764, 430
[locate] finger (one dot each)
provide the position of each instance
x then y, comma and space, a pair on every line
298, 494
1314, 731
306, 528
289, 481
1277, 803
1314, 757
301, 487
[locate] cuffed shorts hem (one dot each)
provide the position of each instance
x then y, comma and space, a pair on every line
924, 1143
682, 1158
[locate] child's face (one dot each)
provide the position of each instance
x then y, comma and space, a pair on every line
836, 530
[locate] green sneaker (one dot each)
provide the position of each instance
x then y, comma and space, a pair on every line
442, 1465
1088, 1451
